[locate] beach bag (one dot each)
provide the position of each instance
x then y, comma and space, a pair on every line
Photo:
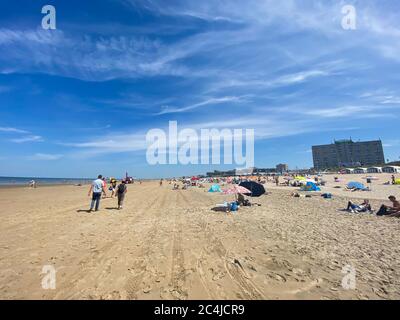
246, 203
327, 196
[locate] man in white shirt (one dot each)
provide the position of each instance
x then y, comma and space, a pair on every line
96, 190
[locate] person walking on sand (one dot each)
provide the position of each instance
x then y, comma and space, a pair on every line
96, 189
113, 188
121, 192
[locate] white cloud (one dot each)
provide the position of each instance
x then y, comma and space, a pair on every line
12, 130
211, 101
300, 77
108, 144
266, 126
84, 57
356, 112
391, 143
30, 138
45, 157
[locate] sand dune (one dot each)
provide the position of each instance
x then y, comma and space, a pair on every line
168, 244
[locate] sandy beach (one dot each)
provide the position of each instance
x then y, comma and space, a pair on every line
168, 244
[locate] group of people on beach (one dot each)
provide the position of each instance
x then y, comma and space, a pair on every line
99, 188
385, 210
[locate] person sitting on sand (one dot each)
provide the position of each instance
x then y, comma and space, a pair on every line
357, 208
241, 201
176, 186
390, 211
121, 192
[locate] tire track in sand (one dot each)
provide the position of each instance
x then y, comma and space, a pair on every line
178, 272
100, 254
199, 266
141, 263
232, 266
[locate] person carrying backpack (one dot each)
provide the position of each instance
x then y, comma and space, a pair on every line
121, 191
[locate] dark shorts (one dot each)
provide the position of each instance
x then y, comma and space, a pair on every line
96, 196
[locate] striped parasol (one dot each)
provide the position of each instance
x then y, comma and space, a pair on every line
236, 190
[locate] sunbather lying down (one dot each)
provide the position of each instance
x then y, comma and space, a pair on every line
353, 189
221, 207
298, 195
357, 208
226, 207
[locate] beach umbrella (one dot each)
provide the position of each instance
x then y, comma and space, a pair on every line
236, 190
215, 188
311, 186
356, 185
256, 189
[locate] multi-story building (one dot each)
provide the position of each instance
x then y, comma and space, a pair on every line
282, 168
347, 153
217, 173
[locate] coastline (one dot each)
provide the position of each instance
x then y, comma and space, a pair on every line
49, 185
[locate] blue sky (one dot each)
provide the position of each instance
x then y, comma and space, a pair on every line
78, 101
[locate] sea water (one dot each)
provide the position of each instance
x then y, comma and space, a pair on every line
19, 181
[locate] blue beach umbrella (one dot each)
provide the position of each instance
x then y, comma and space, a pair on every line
215, 188
356, 185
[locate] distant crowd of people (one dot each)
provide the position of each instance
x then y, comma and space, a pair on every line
98, 190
